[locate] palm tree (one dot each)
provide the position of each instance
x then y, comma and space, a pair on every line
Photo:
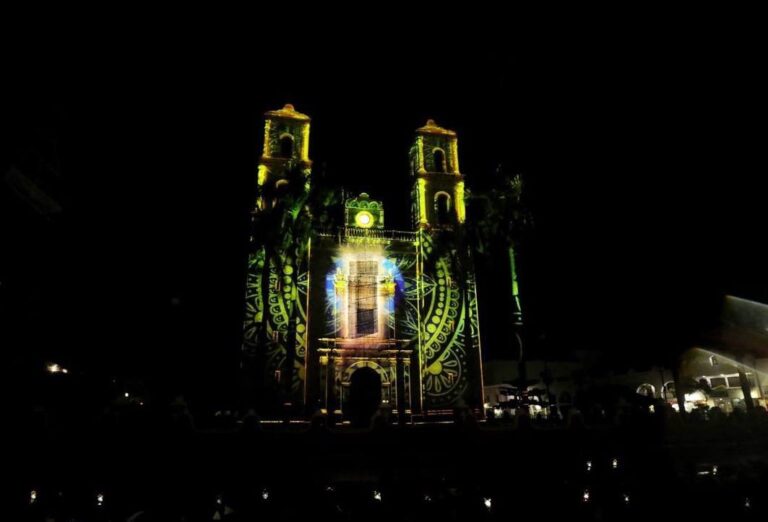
274, 225
308, 206
505, 222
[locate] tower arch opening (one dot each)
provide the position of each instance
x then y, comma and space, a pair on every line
438, 158
286, 146
443, 208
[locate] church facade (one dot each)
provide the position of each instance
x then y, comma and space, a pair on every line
359, 312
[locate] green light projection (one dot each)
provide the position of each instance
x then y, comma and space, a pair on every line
287, 288
432, 312
420, 295
446, 371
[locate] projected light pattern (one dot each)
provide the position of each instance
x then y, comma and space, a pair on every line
444, 312
361, 294
400, 303
287, 288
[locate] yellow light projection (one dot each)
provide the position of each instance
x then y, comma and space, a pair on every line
287, 112
262, 174
364, 290
420, 160
305, 142
267, 128
455, 154
460, 210
422, 201
364, 219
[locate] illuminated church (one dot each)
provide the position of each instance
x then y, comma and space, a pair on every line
358, 311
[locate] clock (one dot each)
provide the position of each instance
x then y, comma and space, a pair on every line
364, 219
363, 212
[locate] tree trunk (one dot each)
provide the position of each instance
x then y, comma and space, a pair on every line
290, 345
746, 389
263, 337
517, 320
679, 391
469, 345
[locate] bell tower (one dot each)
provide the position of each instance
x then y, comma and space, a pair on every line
286, 151
438, 192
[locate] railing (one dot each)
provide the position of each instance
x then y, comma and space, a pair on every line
345, 233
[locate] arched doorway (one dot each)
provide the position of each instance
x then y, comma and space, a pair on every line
364, 396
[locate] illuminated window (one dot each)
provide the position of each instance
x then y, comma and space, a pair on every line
646, 390
717, 382
286, 146
363, 278
735, 382
439, 160
366, 321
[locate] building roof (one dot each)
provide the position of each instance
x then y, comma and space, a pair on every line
743, 328
363, 201
287, 112
433, 128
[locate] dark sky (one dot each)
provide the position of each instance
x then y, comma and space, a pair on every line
642, 154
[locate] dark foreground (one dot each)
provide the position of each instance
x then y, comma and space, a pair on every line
650, 470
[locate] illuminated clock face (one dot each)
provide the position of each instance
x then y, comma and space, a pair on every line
364, 219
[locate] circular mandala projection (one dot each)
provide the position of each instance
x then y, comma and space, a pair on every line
432, 311
443, 346
440, 308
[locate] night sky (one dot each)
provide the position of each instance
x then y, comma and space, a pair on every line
643, 156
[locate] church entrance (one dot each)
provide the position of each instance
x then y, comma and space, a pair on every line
364, 396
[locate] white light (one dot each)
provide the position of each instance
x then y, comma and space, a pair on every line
714, 470
54, 368
427, 498
329, 489
64, 371
126, 395
33, 496
219, 501
615, 463
100, 499
487, 502
589, 465
747, 503
626, 498
377, 495
585, 495
265, 494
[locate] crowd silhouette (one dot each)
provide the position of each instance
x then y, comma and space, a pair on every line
161, 463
